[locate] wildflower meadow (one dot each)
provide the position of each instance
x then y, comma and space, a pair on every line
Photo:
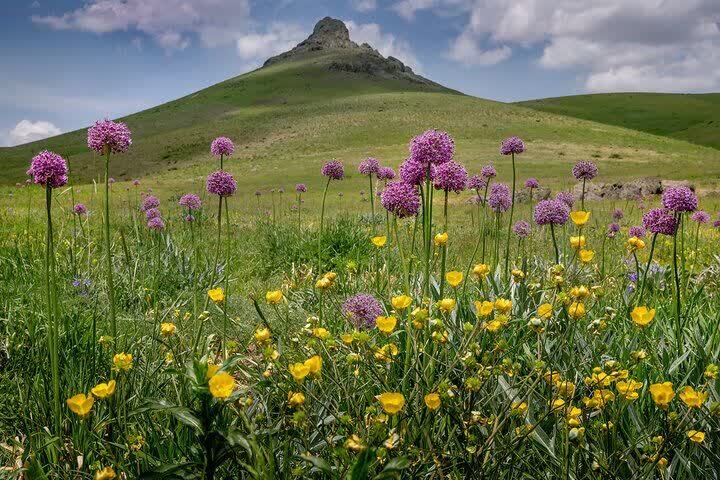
445, 324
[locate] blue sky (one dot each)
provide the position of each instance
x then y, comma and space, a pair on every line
69, 62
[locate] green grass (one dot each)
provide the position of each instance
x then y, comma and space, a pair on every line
694, 118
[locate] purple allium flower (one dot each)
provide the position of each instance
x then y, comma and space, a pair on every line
151, 201
221, 183
521, 228
613, 229
300, 188
636, 231
115, 136
222, 146
385, 173
136, 182
449, 176
618, 214
554, 212
111, 180
432, 147
512, 145
476, 182
156, 223
716, 224
532, 183
488, 171
333, 169
566, 197
413, 172
258, 193
152, 213
700, 217
500, 199
362, 309
680, 199
585, 170
369, 166
660, 221
400, 199
190, 201
80, 209
48, 169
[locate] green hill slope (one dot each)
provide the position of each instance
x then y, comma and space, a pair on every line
691, 117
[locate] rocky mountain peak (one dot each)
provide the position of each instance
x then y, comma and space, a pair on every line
330, 32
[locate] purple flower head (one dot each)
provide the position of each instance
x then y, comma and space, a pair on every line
401, 199
413, 172
700, 217
432, 147
385, 173
532, 183
476, 182
636, 231
362, 309
333, 169
566, 197
660, 221
221, 183
156, 223
521, 228
300, 188
369, 166
136, 182
106, 134
716, 224
553, 212
151, 201
584, 170
258, 193
512, 145
449, 176
222, 146
80, 209
680, 199
48, 169
613, 229
618, 214
500, 199
190, 201
488, 171
151, 213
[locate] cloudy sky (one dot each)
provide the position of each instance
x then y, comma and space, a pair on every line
68, 62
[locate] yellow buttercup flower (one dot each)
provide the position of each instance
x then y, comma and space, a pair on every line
503, 306
577, 242
481, 270
441, 239
586, 256
518, 275
576, 310
484, 308
103, 390
662, 393
346, 338
217, 295
545, 311
695, 436
323, 283
386, 324
299, 371
628, 389
379, 241
321, 333
106, 473
262, 335
447, 305
81, 404
635, 243
386, 352
122, 361
401, 302
691, 397
391, 402
212, 369
274, 297
580, 293
296, 399
642, 316
565, 388
354, 443
167, 329
314, 364
222, 385
432, 401
580, 218
519, 408
454, 278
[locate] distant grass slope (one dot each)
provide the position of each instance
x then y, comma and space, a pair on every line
691, 117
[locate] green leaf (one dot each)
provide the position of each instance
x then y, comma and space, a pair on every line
393, 468
34, 470
318, 463
362, 464
172, 472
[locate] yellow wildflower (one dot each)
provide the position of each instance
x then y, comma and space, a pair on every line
628, 389
106, 473
691, 397
545, 311
441, 239
634, 243
354, 443
386, 324
379, 241
80, 404
103, 390
217, 295
580, 218
432, 401
262, 335
447, 305
586, 256
454, 278
296, 399
167, 329
122, 361
481, 270
642, 316
401, 302
274, 297
576, 310
299, 371
503, 306
662, 393
577, 242
222, 385
391, 402
695, 436
484, 308
314, 364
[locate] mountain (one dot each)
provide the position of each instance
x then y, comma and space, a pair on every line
691, 117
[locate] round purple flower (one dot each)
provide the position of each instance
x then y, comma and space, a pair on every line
584, 170
613, 229
333, 169
48, 169
512, 145
156, 223
151, 213
449, 176
136, 182
500, 199
488, 171
413, 172
476, 182
636, 231
369, 166
660, 221
151, 201
553, 212
221, 183
190, 201
521, 228
618, 214
432, 147
222, 146
362, 309
700, 217
385, 173
680, 199
716, 224
80, 209
400, 199
532, 183
258, 193
106, 134
565, 197
300, 188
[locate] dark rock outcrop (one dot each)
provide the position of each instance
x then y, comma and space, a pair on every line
626, 190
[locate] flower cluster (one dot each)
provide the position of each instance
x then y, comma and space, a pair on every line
400, 199
362, 309
48, 169
660, 221
449, 176
500, 199
512, 145
369, 166
106, 135
553, 212
432, 147
333, 169
680, 199
221, 183
584, 170
190, 201
222, 146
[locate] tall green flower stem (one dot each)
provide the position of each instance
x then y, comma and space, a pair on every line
322, 221
557, 252
53, 311
403, 261
427, 230
582, 197
509, 229
443, 253
647, 268
226, 272
299, 204
484, 232
676, 274
372, 199
108, 248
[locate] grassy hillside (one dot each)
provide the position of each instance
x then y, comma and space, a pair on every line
691, 117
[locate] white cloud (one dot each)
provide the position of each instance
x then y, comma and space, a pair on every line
27, 131
279, 37
407, 8
466, 50
364, 5
385, 43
